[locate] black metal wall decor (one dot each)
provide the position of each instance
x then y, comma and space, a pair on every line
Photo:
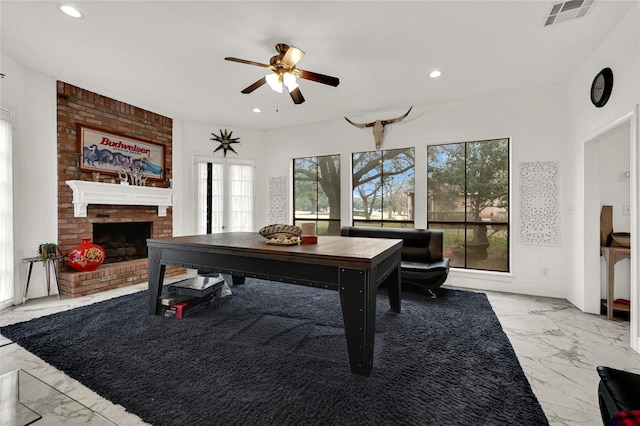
225, 140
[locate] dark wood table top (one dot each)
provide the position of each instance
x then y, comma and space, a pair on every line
330, 250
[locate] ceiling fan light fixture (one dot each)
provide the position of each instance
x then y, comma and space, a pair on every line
273, 80
70, 11
290, 81
285, 73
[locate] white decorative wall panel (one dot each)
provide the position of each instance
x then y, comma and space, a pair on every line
539, 210
278, 200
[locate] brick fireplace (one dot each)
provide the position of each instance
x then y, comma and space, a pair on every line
78, 106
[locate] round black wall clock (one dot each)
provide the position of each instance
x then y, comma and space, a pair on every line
601, 87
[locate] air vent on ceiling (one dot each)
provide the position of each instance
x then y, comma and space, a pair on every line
567, 10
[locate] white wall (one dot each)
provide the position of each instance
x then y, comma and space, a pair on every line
31, 96
620, 52
588, 125
614, 160
193, 139
178, 173
533, 118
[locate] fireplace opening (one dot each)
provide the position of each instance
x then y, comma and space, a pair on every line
122, 241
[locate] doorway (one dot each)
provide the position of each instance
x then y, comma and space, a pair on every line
225, 195
610, 173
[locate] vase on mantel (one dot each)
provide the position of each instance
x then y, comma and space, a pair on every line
86, 257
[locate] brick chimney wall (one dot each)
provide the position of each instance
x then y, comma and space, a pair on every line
78, 106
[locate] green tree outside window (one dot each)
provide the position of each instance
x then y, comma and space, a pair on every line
468, 197
316, 193
383, 188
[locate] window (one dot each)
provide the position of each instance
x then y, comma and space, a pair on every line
6, 215
224, 201
383, 188
316, 193
468, 198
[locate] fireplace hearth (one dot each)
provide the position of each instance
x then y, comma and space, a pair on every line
122, 241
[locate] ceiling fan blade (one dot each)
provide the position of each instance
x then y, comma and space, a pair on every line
296, 95
319, 78
255, 85
292, 56
244, 61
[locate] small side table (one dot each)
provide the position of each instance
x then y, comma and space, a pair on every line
612, 255
52, 261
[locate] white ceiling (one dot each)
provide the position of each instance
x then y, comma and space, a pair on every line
168, 56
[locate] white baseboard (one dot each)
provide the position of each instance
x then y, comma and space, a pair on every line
492, 281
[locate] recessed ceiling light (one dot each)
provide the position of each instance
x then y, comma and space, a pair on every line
256, 110
70, 10
435, 73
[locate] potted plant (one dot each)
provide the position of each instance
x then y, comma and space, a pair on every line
48, 251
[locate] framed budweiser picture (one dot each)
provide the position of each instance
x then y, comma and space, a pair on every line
108, 152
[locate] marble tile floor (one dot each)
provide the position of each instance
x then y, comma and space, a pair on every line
558, 347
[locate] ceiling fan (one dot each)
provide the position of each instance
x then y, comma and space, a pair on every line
285, 72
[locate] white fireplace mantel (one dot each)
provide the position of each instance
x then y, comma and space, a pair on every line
86, 192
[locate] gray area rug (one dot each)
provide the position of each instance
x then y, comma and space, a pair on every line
275, 354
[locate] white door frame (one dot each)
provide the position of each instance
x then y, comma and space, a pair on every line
591, 221
225, 162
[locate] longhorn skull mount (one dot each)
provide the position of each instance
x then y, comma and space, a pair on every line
378, 126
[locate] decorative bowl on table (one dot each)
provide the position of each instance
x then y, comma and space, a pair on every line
281, 234
622, 238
